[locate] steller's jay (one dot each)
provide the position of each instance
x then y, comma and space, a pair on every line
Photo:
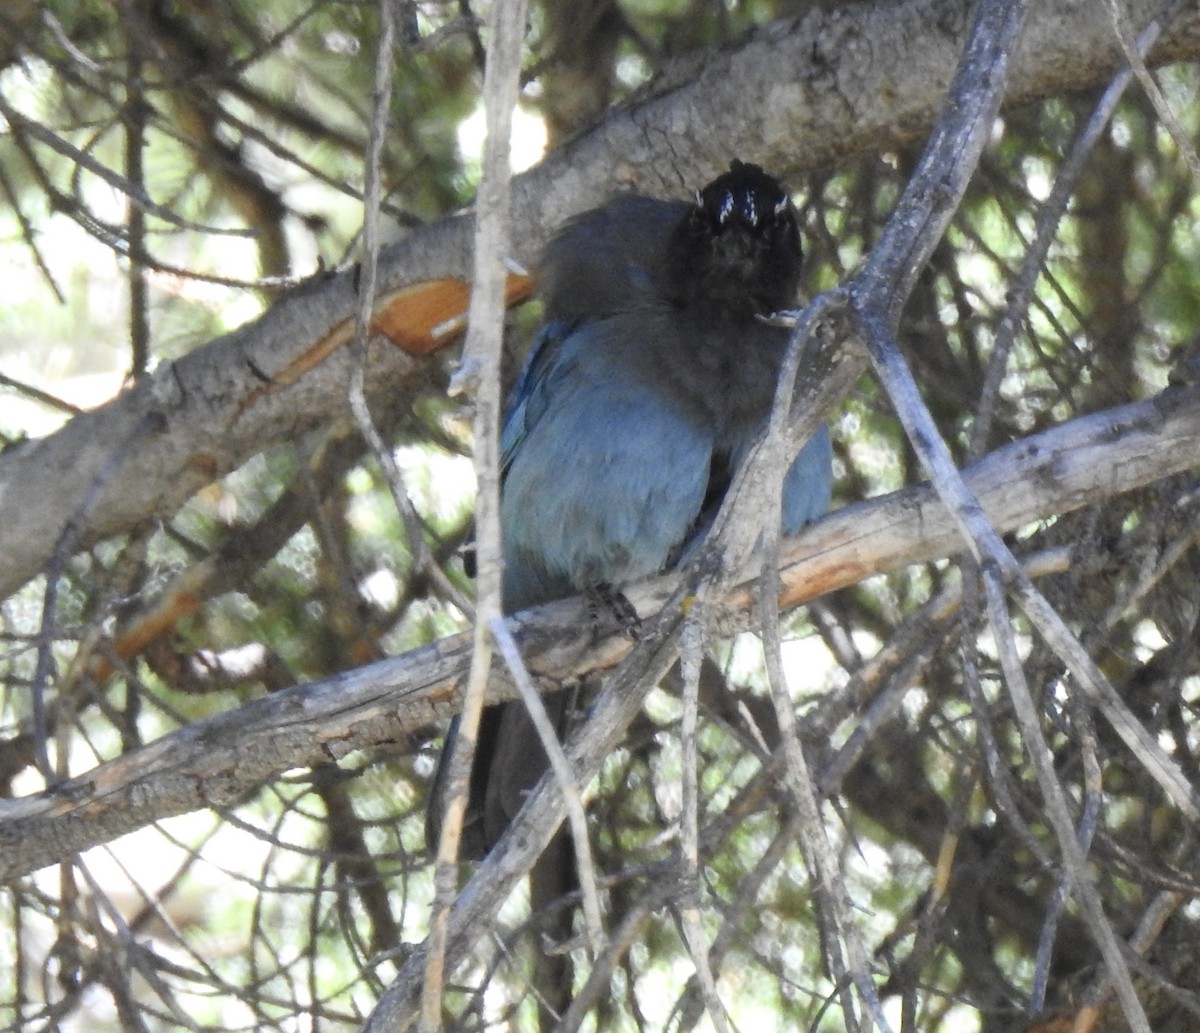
650, 380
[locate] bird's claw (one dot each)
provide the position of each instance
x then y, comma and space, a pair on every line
606, 601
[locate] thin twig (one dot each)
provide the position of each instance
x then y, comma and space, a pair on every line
599, 980
844, 948
134, 118
38, 395
691, 655
1020, 289
1155, 917
576, 817
1093, 797
20, 124
64, 548
1057, 811
480, 374
736, 911
1134, 50
29, 235
1004, 791
423, 561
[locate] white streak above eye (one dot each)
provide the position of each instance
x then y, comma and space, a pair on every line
750, 208
727, 204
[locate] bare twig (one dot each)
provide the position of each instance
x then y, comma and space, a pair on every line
1090, 814
1057, 810
845, 952
1020, 289
999, 775
137, 196
481, 375
576, 816
620, 941
1155, 917
423, 561
134, 117
1135, 50
63, 550
38, 395
691, 654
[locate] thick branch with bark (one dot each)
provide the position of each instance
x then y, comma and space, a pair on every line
794, 96
216, 761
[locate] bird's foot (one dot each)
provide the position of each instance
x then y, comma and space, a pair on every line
606, 601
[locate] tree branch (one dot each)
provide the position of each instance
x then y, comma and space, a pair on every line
797, 95
215, 761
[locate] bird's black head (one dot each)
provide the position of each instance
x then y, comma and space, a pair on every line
738, 249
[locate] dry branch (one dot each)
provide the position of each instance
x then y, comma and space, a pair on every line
216, 761
795, 96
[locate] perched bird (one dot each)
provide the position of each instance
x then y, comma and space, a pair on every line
650, 380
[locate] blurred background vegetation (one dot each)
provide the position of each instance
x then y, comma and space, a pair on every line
239, 129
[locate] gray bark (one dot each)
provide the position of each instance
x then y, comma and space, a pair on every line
215, 761
794, 96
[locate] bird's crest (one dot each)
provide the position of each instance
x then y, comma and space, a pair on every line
745, 195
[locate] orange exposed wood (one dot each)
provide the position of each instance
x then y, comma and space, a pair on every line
419, 318
423, 317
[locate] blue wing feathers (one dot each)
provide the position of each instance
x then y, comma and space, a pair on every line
808, 483
606, 465
603, 477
